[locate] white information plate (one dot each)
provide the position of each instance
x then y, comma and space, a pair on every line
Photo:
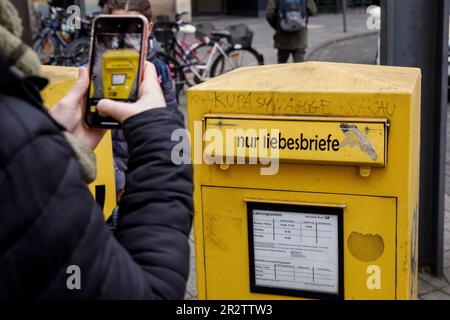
118, 79
296, 250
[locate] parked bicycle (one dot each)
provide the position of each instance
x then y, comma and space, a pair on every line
53, 36
78, 50
214, 52
229, 49
58, 43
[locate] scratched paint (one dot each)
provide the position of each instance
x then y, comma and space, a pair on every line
365, 247
211, 234
354, 137
413, 264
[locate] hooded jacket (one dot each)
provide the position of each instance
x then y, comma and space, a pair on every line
51, 226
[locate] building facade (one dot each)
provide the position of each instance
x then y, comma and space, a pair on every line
210, 7
229, 7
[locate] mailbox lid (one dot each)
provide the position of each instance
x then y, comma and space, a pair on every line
313, 76
369, 239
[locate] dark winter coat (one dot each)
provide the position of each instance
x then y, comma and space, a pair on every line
120, 149
50, 221
288, 40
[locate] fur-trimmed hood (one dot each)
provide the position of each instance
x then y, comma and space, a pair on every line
10, 42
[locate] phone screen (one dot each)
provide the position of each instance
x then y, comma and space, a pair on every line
115, 64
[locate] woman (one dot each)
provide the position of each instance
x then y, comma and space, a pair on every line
120, 150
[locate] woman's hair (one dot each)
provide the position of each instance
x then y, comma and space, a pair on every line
142, 6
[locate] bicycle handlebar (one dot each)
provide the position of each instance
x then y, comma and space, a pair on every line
179, 17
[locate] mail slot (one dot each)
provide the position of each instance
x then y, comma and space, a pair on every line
336, 215
316, 140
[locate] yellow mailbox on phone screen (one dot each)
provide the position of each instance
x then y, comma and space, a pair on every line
306, 182
120, 67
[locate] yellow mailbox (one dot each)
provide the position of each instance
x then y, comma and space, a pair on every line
103, 188
120, 67
306, 182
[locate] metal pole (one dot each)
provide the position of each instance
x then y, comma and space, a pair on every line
344, 14
415, 33
23, 7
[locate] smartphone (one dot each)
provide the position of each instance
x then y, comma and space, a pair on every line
118, 52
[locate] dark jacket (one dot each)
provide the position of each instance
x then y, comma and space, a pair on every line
288, 40
49, 220
120, 149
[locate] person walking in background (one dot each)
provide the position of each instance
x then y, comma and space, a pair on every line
289, 18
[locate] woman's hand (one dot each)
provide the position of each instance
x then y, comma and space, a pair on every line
150, 97
70, 112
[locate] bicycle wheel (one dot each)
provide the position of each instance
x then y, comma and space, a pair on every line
46, 48
175, 71
236, 58
77, 52
200, 55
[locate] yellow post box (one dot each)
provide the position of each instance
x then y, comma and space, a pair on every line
120, 67
103, 188
306, 182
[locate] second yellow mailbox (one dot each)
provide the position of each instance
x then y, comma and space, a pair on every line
306, 182
104, 187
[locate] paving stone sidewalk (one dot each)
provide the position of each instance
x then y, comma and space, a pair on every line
431, 288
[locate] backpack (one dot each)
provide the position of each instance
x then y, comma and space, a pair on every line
292, 15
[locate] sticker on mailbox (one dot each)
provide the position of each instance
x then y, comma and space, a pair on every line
295, 250
329, 141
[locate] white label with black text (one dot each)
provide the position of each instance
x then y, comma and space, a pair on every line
296, 251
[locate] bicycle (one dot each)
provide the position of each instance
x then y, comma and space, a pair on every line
58, 43
77, 52
239, 38
53, 37
225, 50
